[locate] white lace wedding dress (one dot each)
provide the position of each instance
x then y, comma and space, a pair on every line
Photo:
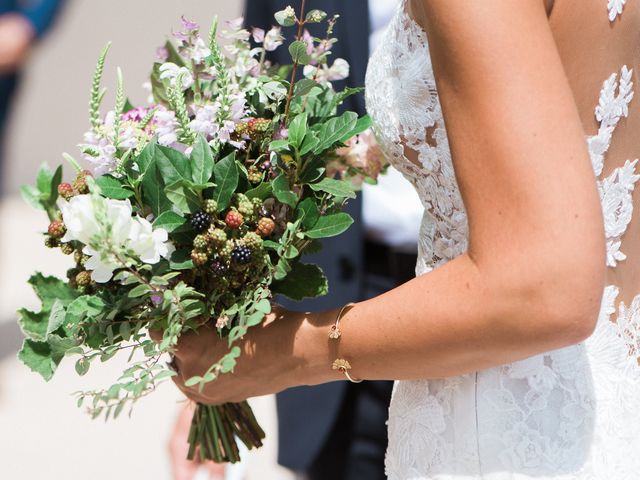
568, 414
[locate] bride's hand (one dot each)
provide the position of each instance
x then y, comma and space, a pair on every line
269, 362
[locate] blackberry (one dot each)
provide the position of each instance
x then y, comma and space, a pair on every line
51, 242
217, 237
234, 219
257, 204
219, 268
67, 248
254, 175
210, 207
200, 221
257, 126
65, 190
80, 183
199, 258
57, 229
79, 257
201, 243
227, 250
241, 255
83, 279
253, 241
266, 226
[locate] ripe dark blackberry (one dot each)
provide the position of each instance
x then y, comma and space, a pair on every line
200, 221
241, 255
219, 268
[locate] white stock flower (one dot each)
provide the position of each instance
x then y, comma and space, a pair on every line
97, 221
273, 39
171, 71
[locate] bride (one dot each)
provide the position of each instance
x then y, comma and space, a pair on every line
511, 363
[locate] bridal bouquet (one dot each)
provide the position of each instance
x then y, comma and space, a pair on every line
196, 211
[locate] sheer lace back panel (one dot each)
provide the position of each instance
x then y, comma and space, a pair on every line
568, 414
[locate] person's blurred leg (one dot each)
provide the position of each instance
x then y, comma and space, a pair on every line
7, 89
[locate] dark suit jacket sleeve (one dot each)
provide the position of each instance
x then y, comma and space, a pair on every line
41, 13
259, 14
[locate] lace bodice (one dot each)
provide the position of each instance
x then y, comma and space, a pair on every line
568, 414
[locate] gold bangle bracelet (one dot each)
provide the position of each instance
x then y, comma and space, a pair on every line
335, 333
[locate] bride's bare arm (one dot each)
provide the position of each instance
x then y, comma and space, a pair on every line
533, 276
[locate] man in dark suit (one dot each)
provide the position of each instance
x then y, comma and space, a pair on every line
21, 24
338, 430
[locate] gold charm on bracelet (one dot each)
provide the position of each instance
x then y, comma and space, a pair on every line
343, 366
334, 332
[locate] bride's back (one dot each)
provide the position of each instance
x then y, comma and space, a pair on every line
593, 46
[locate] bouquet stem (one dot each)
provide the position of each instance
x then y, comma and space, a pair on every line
215, 431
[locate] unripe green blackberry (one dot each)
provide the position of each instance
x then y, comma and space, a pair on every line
253, 241
210, 207
254, 175
257, 204
245, 206
80, 183
57, 229
201, 243
217, 237
242, 128
199, 258
51, 242
79, 257
67, 248
225, 252
258, 125
83, 279
65, 190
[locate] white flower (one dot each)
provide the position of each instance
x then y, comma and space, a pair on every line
273, 39
97, 221
171, 71
205, 120
338, 71
166, 127
199, 51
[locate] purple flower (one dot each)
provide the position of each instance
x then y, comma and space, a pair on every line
157, 298
282, 133
163, 54
258, 35
189, 25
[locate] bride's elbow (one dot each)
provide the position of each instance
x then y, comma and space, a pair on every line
559, 304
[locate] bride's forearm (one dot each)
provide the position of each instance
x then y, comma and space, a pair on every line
452, 321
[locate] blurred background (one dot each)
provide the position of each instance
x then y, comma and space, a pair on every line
42, 433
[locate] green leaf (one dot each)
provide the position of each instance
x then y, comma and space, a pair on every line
330, 226
310, 143
262, 191
146, 158
308, 211
56, 317
315, 16
304, 281
285, 19
112, 188
183, 197
274, 90
304, 86
282, 191
193, 381
170, 221
362, 124
298, 51
153, 190
337, 188
226, 176
173, 165
39, 358
82, 366
139, 291
282, 269
279, 145
181, 260
298, 129
53, 188
335, 130
201, 161
31, 195
44, 179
